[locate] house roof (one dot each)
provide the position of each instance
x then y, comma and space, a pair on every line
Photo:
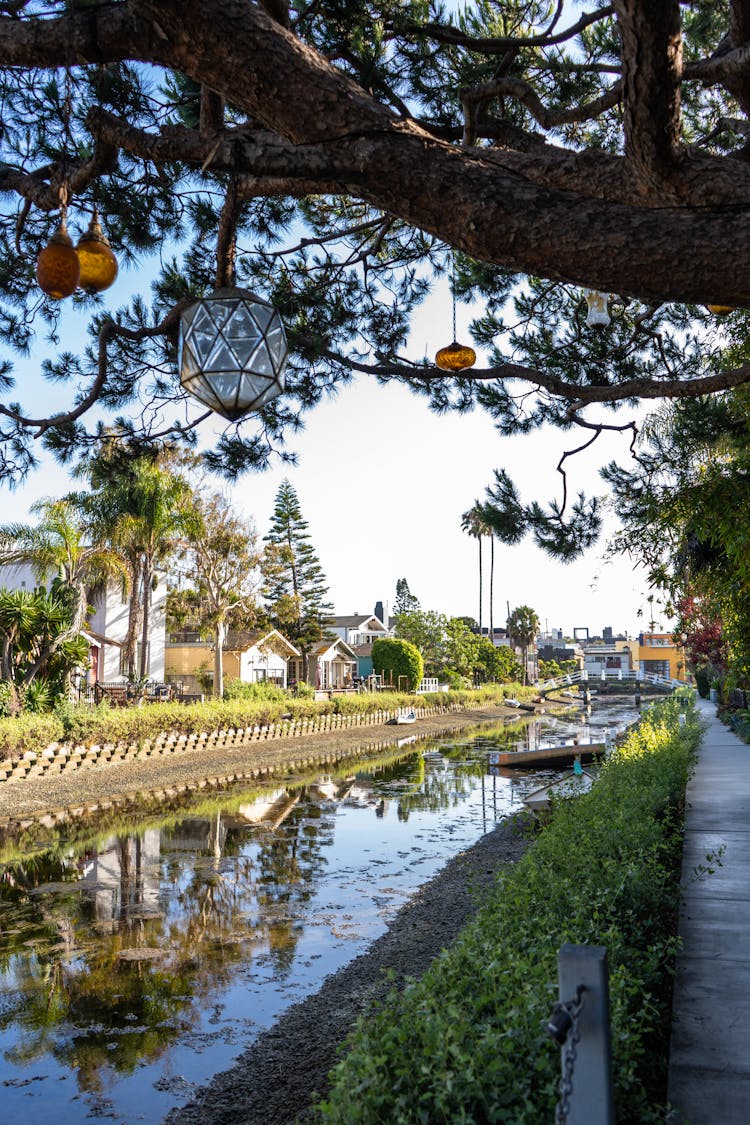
341, 646
355, 620
240, 640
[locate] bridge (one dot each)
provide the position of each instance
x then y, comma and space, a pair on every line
635, 681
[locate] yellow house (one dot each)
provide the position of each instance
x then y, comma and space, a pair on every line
662, 654
252, 656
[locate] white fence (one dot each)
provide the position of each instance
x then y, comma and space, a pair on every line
428, 684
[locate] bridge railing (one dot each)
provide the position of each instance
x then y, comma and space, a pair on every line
633, 676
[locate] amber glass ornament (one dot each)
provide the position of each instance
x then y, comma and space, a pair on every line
720, 310
57, 266
98, 263
456, 357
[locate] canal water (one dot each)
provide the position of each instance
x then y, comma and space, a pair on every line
141, 951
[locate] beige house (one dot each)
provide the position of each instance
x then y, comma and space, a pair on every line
252, 656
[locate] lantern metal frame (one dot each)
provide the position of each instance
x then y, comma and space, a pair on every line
232, 352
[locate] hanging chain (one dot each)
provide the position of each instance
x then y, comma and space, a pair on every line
571, 1009
453, 290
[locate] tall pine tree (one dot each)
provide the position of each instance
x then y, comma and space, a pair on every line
295, 588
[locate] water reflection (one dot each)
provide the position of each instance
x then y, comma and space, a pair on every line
135, 963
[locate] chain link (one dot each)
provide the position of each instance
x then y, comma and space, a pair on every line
565, 1088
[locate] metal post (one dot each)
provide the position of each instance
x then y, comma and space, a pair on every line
590, 1098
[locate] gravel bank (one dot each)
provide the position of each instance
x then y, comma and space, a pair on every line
277, 1080
90, 784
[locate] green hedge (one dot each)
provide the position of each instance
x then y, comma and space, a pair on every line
466, 1043
394, 657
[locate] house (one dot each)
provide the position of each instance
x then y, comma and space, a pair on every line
107, 626
250, 655
610, 660
662, 654
360, 632
331, 665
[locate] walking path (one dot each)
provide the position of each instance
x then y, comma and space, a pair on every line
709, 1067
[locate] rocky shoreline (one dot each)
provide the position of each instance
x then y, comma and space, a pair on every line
279, 1079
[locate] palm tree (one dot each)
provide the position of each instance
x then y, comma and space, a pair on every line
145, 512
473, 524
62, 545
523, 626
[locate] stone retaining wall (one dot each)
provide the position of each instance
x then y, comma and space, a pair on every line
65, 757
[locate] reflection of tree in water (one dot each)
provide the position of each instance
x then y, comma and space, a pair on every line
290, 862
209, 892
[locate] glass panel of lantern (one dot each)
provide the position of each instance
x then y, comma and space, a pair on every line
232, 352
598, 312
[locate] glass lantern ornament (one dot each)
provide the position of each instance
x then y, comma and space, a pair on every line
232, 352
57, 267
721, 310
98, 263
598, 313
456, 357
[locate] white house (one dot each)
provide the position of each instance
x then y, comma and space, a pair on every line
331, 665
250, 655
360, 633
261, 655
358, 630
107, 626
607, 659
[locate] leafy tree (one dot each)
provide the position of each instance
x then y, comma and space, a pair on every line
679, 516
602, 149
499, 663
294, 585
427, 631
405, 602
550, 669
523, 626
222, 566
393, 658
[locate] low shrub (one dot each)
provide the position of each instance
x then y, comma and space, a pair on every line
28, 732
83, 725
467, 1042
236, 689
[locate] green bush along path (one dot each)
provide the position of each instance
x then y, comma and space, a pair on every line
467, 1042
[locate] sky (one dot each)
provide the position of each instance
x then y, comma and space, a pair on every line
383, 482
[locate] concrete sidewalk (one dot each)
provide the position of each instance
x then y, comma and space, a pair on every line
709, 1066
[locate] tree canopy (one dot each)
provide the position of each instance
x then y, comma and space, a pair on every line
338, 159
